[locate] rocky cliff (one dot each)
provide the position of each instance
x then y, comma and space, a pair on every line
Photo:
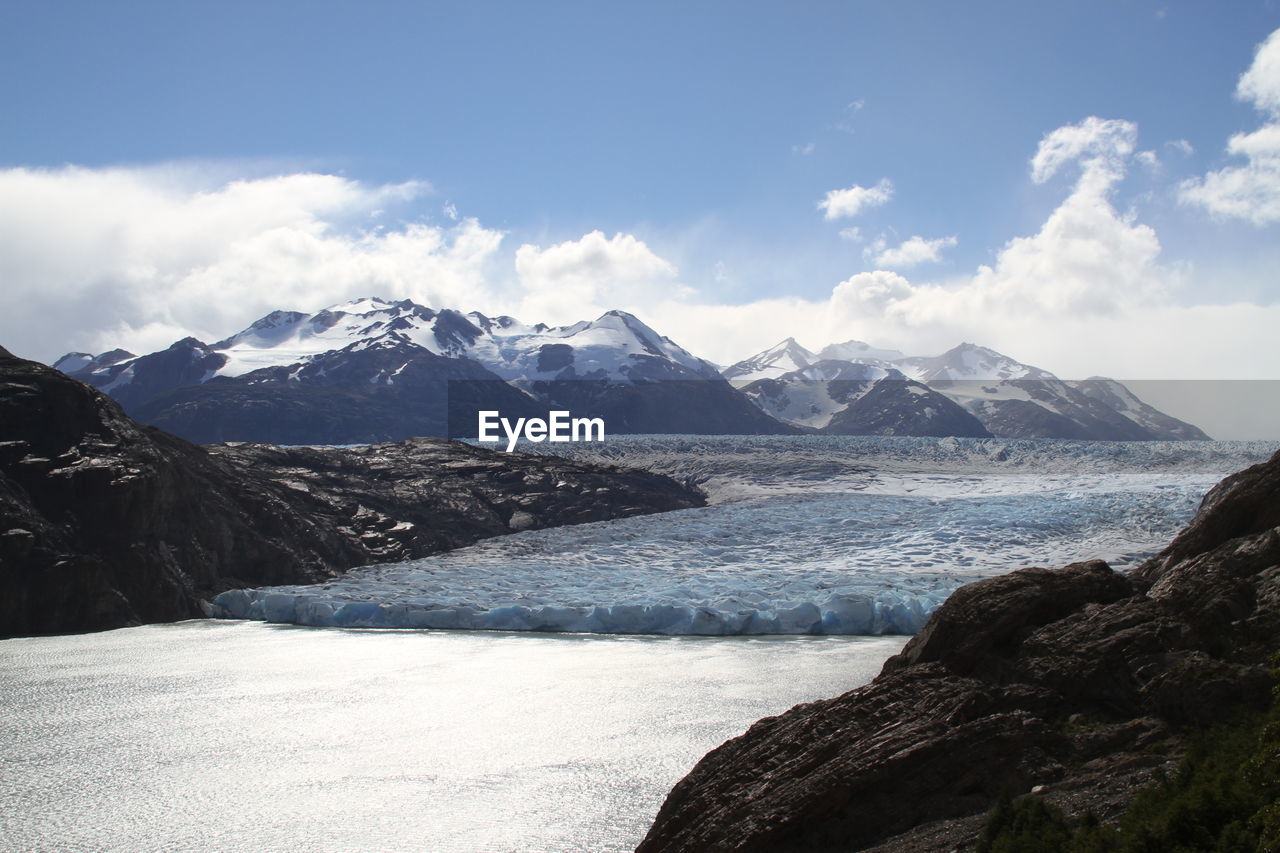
104, 522
1078, 682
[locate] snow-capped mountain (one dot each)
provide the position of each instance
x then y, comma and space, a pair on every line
74, 361
858, 351
373, 370
773, 363
811, 396
1009, 398
968, 361
1120, 399
789, 356
615, 346
1017, 400
852, 398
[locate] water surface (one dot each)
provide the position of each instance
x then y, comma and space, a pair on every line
241, 736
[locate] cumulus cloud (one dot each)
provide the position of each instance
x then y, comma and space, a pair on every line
96, 258
1261, 83
839, 204
874, 293
568, 281
1086, 262
1250, 191
1085, 293
912, 252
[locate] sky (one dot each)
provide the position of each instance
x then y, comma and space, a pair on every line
1090, 187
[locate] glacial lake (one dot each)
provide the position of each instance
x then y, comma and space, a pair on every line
241, 736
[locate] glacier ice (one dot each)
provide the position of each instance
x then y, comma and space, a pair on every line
804, 535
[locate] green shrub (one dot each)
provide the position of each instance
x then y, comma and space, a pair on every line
1224, 798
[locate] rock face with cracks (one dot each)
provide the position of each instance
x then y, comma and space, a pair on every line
106, 523
1078, 679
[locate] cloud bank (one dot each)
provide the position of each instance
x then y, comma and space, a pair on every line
98, 258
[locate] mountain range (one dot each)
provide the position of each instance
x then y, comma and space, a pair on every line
373, 370
968, 390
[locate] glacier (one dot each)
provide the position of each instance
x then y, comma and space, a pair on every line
802, 535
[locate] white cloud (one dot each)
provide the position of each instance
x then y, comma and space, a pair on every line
1149, 159
853, 234
1099, 146
911, 252
578, 278
1085, 294
875, 293
1251, 191
804, 150
1087, 263
727, 333
845, 125
1261, 83
1182, 146
97, 258
850, 202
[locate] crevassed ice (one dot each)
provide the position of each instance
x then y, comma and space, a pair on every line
805, 535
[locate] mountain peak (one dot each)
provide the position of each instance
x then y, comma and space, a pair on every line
72, 361
969, 361
366, 305
858, 351
784, 357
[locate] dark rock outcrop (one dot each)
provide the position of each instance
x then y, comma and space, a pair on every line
105, 523
1078, 679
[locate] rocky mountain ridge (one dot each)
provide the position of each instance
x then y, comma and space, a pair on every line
1077, 682
968, 387
373, 370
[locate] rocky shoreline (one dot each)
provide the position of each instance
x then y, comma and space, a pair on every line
106, 523
1077, 683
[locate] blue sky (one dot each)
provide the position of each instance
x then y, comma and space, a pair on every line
174, 167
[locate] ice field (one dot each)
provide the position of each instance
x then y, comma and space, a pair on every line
804, 535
